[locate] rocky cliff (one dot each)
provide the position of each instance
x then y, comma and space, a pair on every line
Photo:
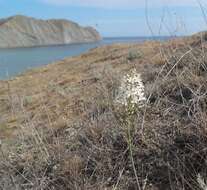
22, 31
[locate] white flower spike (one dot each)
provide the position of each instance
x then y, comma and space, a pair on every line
132, 88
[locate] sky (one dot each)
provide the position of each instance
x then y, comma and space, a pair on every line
115, 18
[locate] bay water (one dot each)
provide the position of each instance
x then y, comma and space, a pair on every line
17, 60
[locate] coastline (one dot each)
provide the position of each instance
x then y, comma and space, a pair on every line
16, 60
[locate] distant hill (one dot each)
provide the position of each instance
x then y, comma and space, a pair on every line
22, 31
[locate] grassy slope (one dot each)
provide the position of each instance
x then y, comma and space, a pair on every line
95, 144
54, 90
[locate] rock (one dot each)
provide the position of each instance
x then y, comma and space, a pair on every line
22, 31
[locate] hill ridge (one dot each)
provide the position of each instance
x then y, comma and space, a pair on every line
16, 31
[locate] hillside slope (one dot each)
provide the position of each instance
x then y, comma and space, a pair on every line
22, 31
63, 83
62, 128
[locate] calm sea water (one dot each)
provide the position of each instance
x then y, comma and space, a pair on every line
17, 60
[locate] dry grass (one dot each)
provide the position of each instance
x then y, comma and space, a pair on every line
61, 128
58, 87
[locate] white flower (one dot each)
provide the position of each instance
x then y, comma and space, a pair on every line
131, 88
201, 182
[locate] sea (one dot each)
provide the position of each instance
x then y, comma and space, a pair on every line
17, 60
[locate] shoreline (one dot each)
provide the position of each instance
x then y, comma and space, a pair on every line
28, 58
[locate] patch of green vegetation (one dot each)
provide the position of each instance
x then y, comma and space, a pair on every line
133, 54
28, 100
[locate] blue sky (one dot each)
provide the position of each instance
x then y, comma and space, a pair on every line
118, 17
